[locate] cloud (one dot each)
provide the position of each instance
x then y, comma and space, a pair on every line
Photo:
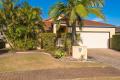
97, 19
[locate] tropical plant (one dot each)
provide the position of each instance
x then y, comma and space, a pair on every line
6, 12
20, 23
59, 53
74, 11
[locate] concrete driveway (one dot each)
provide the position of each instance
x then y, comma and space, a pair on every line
107, 56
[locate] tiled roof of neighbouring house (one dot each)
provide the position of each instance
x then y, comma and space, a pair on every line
48, 24
87, 23
118, 29
90, 23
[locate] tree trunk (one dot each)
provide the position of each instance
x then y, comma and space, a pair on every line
7, 40
25, 38
73, 35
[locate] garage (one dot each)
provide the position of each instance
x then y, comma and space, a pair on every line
95, 39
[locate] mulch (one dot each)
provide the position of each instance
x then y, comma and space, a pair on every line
54, 74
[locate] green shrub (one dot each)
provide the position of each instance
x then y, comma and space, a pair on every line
48, 41
59, 53
22, 39
25, 45
116, 42
118, 33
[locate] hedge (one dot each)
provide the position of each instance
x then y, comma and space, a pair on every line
2, 44
21, 45
116, 42
48, 41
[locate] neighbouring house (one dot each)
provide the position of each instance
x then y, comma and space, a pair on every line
117, 30
94, 34
48, 25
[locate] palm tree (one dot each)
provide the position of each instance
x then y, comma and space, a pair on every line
29, 17
74, 11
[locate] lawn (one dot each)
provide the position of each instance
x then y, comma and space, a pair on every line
38, 61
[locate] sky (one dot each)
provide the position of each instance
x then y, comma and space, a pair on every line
111, 10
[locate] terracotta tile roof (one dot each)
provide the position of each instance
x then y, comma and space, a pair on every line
118, 29
48, 24
90, 23
87, 23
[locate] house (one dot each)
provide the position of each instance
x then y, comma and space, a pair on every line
94, 34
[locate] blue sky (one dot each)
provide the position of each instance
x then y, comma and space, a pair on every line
111, 10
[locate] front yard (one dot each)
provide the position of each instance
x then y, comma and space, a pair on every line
26, 65
38, 61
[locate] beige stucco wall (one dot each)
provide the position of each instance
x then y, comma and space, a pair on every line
110, 30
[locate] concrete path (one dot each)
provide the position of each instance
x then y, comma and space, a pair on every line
107, 56
61, 74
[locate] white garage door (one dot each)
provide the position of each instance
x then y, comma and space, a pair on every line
95, 39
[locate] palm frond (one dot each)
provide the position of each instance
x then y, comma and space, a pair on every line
81, 10
97, 12
57, 10
93, 3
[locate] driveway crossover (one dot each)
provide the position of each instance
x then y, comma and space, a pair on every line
61, 74
107, 56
